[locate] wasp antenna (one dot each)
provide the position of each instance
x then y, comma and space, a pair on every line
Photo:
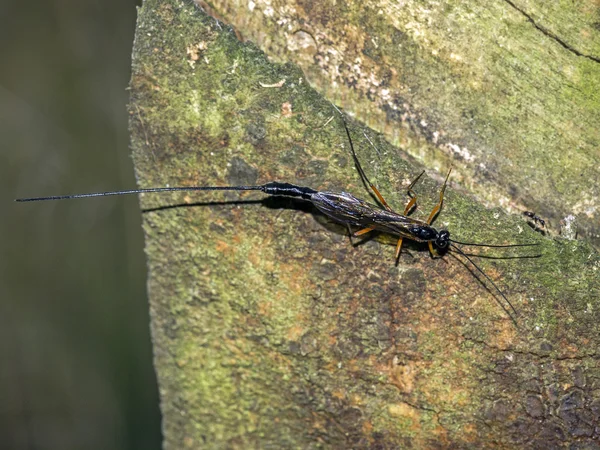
492, 245
363, 176
458, 250
142, 191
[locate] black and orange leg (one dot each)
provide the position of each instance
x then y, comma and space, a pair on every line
380, 197
409, 207
358, 233
361, 172
413, 196
431, 249
437, 208
398, 249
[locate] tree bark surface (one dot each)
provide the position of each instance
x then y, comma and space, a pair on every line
508, 92
270, 330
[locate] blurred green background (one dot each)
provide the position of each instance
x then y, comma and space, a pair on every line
75, 355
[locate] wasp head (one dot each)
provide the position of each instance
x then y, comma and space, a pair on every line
442, 240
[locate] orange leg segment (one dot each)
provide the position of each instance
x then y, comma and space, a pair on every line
398, 248
380, 197
410, 205
363, 231
413, 196
437, 208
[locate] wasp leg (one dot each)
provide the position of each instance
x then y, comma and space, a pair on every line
409, 207
358, 233
350, 234
413, 196
437, 208
434, 254
398, 249
363, 231
367, 181
361, 172
380, 197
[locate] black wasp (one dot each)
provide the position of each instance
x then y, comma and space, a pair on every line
349, 210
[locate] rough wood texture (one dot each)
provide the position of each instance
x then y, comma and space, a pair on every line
507, 91
271, 331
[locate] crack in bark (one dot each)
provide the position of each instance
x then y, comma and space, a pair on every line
552, 35
532, 353
423, 408
436, 412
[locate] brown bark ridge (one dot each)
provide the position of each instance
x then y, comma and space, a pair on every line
271, 331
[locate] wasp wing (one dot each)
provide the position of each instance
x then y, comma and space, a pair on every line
347, 209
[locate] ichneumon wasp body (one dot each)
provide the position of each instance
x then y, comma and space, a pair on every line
351, 211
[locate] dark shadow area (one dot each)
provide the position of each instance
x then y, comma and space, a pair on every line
268, 202
300, 205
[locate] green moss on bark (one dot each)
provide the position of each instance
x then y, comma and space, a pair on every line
507, 92
271, 330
